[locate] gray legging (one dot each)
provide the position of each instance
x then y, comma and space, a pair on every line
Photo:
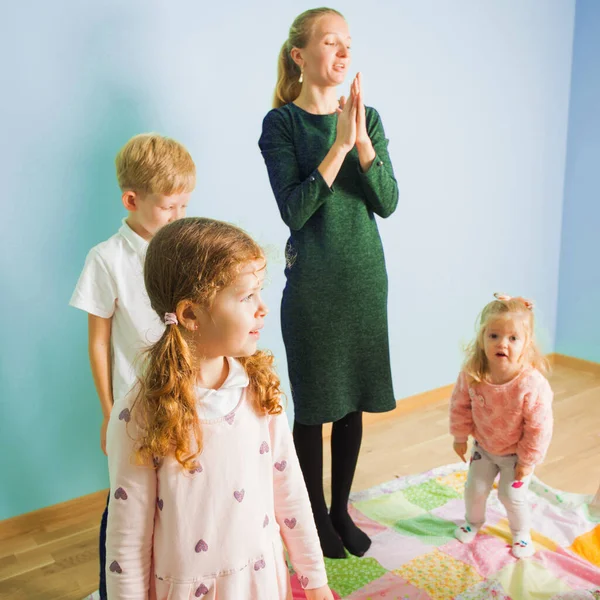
483, 470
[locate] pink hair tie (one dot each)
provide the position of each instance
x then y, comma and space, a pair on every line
506, 298
171, 319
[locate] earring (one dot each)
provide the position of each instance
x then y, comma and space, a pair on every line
301, 75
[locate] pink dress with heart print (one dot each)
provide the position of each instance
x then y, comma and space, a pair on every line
215, 532
513, 418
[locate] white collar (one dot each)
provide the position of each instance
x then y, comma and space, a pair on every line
236, 378
137, 242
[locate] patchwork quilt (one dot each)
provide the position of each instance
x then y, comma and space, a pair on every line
414, 555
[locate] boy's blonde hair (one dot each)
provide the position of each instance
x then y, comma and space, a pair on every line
152, 164
476, 363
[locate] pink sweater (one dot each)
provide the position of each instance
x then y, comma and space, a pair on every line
192, 530
513, 418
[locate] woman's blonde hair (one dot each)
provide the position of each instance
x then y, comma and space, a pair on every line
190, 259
150, 163
288, 72
476, 363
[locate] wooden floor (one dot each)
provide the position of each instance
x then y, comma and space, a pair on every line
52, 554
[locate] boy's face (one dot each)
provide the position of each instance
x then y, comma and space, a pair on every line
150, 212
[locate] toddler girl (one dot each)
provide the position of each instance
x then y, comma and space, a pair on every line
503, 401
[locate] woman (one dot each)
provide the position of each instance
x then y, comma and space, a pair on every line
330, 172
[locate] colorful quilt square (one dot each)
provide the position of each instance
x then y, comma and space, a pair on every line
579, 595
559, 524
488, 554
350, 574
588, 546
392, 550
455, 480
440, 575
502, 530
429, 529
430, 495
389, 508
389, 587
529, 580
486, 590
570, 568
370, 527
454, 511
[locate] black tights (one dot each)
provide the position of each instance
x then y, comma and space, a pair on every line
336, 529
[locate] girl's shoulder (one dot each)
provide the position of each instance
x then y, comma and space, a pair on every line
533, 381
467, 380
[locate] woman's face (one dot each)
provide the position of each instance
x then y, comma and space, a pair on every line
326, 58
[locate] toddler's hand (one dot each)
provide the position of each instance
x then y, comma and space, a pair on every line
461, 449
322, 593
521, 472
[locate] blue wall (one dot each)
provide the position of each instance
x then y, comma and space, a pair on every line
473, 95
578, 323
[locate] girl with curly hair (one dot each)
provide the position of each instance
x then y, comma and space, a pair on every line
205, 482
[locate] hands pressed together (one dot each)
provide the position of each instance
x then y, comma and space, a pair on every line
352, 121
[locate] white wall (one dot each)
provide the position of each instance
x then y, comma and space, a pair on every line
473, 95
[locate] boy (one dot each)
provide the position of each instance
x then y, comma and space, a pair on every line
156, 176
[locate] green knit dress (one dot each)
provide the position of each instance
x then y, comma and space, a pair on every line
334, 306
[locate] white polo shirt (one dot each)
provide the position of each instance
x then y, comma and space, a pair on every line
112, 285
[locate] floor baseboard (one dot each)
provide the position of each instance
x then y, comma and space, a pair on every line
46, 518
571, 362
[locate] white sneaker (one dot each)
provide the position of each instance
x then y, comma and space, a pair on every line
523, 547
465, 533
